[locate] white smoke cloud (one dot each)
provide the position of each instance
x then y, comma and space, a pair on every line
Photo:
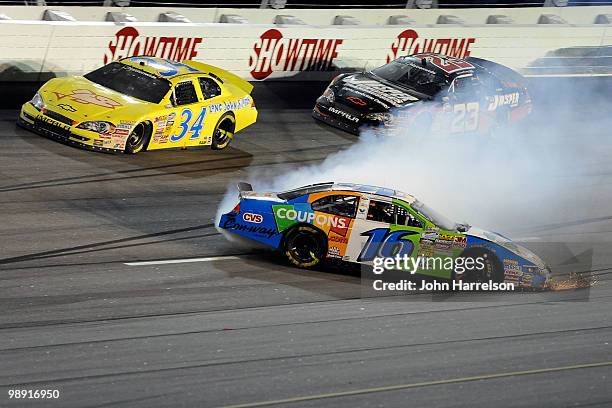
525, 176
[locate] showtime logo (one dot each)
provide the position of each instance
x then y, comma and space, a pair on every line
128, 42
272, 53
408, 42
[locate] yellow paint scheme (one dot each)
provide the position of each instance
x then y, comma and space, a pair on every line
78, 100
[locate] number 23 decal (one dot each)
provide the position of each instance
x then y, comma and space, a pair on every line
465, 117
196, 126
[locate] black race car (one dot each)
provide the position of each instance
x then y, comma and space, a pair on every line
436, 92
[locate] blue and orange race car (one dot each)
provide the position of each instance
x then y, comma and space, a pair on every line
359, 223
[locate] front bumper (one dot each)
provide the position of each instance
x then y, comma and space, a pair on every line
322, 113
32, 119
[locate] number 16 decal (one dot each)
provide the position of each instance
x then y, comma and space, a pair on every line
384, 244
196, 127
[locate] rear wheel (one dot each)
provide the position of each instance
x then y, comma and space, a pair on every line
137, 139
224, 132
305, 246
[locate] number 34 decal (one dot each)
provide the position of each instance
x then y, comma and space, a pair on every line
187, 125
465, 117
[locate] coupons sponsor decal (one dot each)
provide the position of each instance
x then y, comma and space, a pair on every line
129, 42
409, 42
273, 52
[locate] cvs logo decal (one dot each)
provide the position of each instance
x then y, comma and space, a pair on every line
254, 218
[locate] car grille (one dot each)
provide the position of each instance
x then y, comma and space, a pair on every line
51, 128
59, 117
347, 108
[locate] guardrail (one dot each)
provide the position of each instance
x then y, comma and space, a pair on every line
341, 16
38, 50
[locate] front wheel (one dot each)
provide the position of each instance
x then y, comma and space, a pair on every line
137, 139
224, 132
485, 266
305, 246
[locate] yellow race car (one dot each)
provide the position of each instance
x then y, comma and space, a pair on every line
143, 103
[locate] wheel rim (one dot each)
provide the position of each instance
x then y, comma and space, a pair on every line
136, 136
223, 136
224, 132
476, 275
304, 248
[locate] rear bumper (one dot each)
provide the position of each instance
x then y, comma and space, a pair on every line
31, 119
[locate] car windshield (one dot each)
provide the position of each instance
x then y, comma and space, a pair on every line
434, 216
130, 81
407, 73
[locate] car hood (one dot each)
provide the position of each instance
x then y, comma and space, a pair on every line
367, 93
81, 99
506, 243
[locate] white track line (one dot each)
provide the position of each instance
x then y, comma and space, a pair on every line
178, 261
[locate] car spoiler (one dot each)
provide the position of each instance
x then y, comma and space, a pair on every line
243, 187
223, 75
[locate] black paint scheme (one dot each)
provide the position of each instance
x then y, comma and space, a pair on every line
433, 87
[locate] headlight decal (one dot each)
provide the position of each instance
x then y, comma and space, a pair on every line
38, 102
101, 127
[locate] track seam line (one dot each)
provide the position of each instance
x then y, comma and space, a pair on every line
418, 385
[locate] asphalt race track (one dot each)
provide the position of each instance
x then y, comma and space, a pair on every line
84, 313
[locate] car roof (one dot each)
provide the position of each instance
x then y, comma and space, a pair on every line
358, 188
156, 66
424, 61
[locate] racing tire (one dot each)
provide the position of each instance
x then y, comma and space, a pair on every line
493, 269
305, 246
224, 132
137, 139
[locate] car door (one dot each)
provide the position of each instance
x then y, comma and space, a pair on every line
334, 213
384, 227
466, 104
187, 115
212, 106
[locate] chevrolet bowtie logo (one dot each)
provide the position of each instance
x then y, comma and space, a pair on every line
67, 107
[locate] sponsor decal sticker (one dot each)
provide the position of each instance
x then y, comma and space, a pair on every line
251, 217
356, 101
67, 107
511, 99
231, 223
87, 97
379, 90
